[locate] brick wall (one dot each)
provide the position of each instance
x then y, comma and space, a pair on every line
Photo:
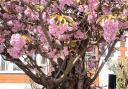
14, 78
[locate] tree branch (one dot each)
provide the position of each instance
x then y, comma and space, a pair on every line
60, 69
30, 74
45, 29
25, 68
103, 63
70, 65
34, 64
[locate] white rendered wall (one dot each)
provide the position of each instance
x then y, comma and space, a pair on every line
14, 86
104, 74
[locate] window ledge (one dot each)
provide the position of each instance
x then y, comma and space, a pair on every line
11, 72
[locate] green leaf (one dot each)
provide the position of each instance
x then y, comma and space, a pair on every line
38, 7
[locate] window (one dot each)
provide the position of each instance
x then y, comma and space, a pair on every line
3, 65
8, 67
16, 68
43, 62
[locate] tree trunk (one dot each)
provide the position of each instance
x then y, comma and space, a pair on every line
76, 79
80, 84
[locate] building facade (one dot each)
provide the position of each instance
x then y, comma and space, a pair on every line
12, 77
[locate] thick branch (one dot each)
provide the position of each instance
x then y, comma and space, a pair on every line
26, 69
70, 65
45, 29
60, 69
30, 74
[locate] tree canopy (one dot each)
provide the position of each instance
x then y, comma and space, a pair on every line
62, 31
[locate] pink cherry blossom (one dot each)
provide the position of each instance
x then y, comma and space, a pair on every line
81, 8
64, 2
40, 33
65, 51
125, 12
16, 26
10, 23
57, 30
75, 26
64, 37
106, 10
52, 53
79, 35
19, 9
15, 52
32, 15
32, 1
2, 39
123, 25
92, 17
93, 4
1, 48
110, 28
7, 16
17, 41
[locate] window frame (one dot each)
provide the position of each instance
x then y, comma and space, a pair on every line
9, 68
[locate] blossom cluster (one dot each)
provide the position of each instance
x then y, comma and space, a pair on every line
17, 43
59, 27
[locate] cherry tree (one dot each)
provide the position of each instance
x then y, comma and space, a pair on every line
61, 31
